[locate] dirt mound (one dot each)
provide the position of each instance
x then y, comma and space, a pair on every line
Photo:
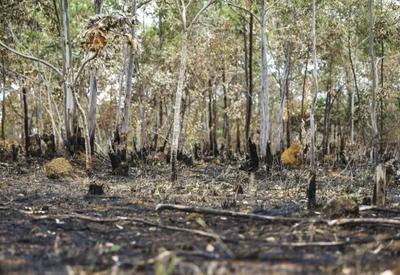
292, 156
340, 207
58, 168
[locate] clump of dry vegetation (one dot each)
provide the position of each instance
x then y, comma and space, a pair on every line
341, 207
58, 168
292, 156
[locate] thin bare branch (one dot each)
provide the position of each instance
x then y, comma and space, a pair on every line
209, 3
32, 58
90, 58
217, 212
245, 10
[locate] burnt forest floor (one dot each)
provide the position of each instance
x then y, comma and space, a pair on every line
50, 226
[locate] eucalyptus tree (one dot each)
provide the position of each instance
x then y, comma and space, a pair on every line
187, 26
315, 86
93, 92
264, 95
374, 124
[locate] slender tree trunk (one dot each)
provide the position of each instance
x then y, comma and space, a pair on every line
214, 123
141, 144
56, 134
373, 78
280, 116
381, 79
178, 100
327, 112
210, 118
315, 87
264, 94
92, 108
128, 91
3, 103
88, 151
287, 91
351, 107
284, 99
69, 107
93, 93
26, 122
246, 55
250, 87
303, 95
226, 127
121, 88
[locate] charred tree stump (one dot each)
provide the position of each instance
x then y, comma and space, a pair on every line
119, 165
311, 191
196, 152
14, 152
95, 190
76, 143
251, 165
118, 157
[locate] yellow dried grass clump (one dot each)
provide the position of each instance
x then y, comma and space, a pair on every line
58, 168
293, 155
328, 158
7, 144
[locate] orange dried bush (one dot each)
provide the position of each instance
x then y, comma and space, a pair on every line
293, 155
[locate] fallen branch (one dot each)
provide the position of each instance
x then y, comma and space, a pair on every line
378, 209
130, 219
225, 213
219, 238
379, 221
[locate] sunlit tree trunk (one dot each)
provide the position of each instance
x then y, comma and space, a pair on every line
121, 88
226, 126
181, 81
178, 100
287, 91
374, 124
126, 118
3, 103
327, 112
280, 116
69, 107
315, 88
264, 95
303, 95
93, 93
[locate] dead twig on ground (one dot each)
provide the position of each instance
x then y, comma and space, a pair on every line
378, 221
130, 219
225, 213
378, 209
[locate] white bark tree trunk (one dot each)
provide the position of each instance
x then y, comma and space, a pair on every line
69, 107
315, 87
280, 116
177, 105
374, 123
93, 93
264, 95
128, 88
